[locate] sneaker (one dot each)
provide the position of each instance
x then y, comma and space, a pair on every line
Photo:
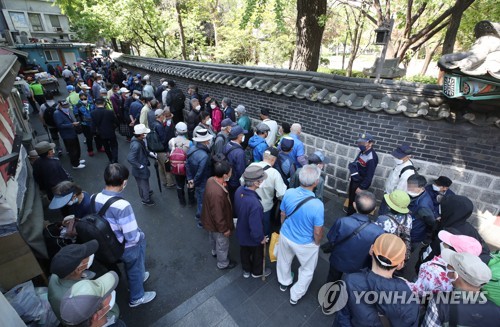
149, 203
91, 153
88, 274
246, 274
150, 192
101, 150
148, 297
266, 273
146, 276
171, 186
283, 288
231, 265
196, 218
82, 161
80, 166
199, 225
214, 254
293, 302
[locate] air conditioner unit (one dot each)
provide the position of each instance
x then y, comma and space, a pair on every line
57, 29
72, 37
23, 39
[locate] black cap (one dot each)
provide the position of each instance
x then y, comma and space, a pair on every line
70, 257
100, 101
264, 112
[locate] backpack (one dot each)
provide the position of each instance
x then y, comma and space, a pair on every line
403, 232
176, 99
95, 227
154, 142
411, 167
178, 161
48, 114
492, 288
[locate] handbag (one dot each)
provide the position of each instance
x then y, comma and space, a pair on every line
124, 130
328, 246
275, 237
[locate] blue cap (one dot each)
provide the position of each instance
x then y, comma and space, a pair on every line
235, 131
318, 157
402, 151
365, 137
70, 88
286, 144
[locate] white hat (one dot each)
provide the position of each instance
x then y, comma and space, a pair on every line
164, 83
202, 135
146, 77
103, 90
181, 127
124, 90
158, 112
141, 129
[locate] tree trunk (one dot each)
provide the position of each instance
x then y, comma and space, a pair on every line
114, 44
181, 30
429, 53
456, 18
309, 34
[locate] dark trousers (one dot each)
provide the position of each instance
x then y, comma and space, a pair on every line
90, 137
111, 148
73, 148
40, 99
33, 105
334, 275
251, 258
178, 116
352, 196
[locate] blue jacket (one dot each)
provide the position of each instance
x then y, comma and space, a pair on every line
135, 109
137, 157
64, 124
229, 113
433, 194
423, 220
160, 130
364, 314
82, 112
198, 165
259, 145
237, 159
366, 164
250, 213
298, 150
342, 258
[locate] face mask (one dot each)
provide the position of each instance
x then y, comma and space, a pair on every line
213, 106
124, 185
451, 272
84, 101
136, 82
111, 304
169, 122
398, 161
72, 201
362, 148
226, 179
209, 122
113, 299
243, 139
413, 194
127, 95
198, 107
66, 110
104, 97
436, 188
91, 261
136, 97
442, 246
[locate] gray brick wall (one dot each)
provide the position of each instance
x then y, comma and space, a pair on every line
464, 152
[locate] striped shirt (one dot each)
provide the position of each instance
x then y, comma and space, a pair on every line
121, 218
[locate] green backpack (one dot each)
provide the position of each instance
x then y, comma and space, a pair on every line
492, 288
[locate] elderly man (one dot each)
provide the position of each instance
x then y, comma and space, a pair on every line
89, 303
138, 159
437, 190
104, 123
272, 187
67, 126
228, 110
68, 267
273, 127
198, 168
222, 137
258, 142
193, 116
250, 227
302, 216
121, 218
317, 158
298, 154
236, 156
217, 214
48, 170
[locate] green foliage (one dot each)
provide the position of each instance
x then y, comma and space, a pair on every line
421, 79
478, 11
340, 72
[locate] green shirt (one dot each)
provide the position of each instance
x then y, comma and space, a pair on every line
244, 122
73, 98
37, 88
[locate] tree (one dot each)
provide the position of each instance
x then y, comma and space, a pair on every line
310, 25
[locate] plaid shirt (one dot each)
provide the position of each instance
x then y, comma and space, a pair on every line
431, 318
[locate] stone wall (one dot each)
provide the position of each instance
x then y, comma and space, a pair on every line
466, 153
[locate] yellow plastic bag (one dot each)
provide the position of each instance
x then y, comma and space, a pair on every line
272, 246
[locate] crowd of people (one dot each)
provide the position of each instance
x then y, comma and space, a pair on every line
251, 181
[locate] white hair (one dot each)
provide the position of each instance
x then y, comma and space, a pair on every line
295, 128
308, 175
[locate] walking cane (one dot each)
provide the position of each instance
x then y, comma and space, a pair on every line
264, 264
158, 175
48, 134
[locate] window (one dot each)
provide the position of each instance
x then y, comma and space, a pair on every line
51, 55
36, 22
54, 21
18, 20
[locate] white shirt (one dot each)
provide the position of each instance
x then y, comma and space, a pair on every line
271, 137
273, 183
393, 182
164, 97
66, 73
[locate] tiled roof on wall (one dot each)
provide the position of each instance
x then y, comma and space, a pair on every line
391, 97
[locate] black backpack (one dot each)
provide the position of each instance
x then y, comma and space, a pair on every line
48, 114
411, 167
176, 99
154, 142
95, 227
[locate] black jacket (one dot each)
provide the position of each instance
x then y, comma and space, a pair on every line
48, 172
104, 122
193, 119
